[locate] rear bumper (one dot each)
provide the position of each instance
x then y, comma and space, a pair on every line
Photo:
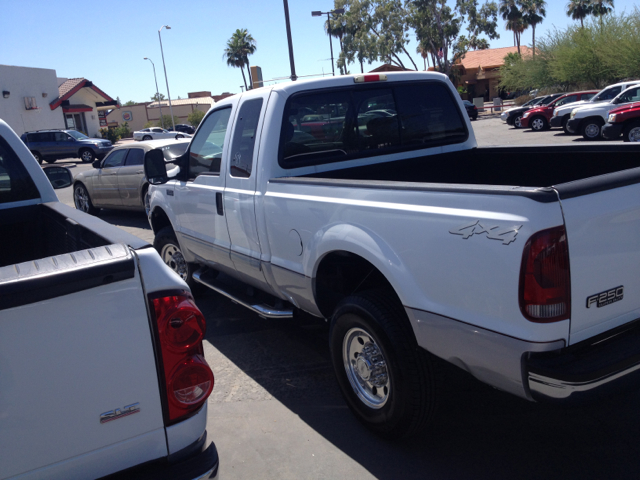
592, 369
611, 131
198, 461
573, 125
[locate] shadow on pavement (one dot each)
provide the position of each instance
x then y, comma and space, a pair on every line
478, 432
125, 218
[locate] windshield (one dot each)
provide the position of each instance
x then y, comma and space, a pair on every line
77, 135
607, 94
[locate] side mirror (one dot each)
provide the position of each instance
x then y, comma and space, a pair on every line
96, 163
60, 177
155, 168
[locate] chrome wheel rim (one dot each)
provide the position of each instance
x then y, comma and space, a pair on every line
86, 156
81, 199
366, 368
537, 124
172, 256
634, 134
592, 130
518, 122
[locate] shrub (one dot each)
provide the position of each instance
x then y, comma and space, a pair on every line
110, 134
195, 117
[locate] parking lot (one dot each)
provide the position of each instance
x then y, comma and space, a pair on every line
276, 411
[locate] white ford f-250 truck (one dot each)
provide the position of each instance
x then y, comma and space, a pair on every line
365, 200
101, 359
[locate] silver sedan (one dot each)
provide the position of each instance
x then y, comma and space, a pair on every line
118, 180
155, 133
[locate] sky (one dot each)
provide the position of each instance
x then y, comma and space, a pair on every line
106, 42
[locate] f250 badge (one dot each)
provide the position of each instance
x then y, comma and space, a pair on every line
603, 299
506, 235
120, 413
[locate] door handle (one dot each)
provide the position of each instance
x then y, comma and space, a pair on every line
219, 203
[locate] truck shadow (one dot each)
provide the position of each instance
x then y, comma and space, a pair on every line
478, 432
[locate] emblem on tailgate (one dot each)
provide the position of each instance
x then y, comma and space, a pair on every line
119, 412
495, 232
603, 299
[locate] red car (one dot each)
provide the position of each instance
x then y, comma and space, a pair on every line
625, 120
538, 118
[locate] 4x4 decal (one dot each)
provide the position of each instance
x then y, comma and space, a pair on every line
505, 234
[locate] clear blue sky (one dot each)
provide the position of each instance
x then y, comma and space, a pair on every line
107, 41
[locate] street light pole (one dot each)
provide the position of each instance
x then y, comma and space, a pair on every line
339, 11
157, 91
165, 75
294, 77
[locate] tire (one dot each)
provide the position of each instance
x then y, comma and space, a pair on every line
50, 160
401, 399
82, 200
631, 132
179, 136
517, 122
591, 128
166, 243
538, 124
564, 125
145, 200
87, 155
37, 156
147, 137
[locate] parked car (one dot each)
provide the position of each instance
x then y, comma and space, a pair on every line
184, 128
118, 181
562, 114
51, 145
390, 233
514, 117
102, 370
471, 109
538, 117
588, 120
530, 103
625, 120
156, 133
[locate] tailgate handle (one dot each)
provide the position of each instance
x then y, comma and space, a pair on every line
219, 203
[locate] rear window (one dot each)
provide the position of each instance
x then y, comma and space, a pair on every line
15, 182
343, 124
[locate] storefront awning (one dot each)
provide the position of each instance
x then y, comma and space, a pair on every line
76, 108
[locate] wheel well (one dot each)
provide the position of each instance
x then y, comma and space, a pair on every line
341, 274
595, 118
159, 220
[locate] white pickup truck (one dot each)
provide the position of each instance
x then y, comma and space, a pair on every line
364, 200
101, 363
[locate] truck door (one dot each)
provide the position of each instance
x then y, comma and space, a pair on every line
202, 227
240, 190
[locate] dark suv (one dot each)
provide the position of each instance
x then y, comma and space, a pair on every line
50, 145
184, 128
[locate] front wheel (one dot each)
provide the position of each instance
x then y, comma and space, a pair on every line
632, 133
50, 160
538, 124
564, 125
385, 377
37, 156
591, 128
179, 136
87, 156
82, 200
517, 122
166, 243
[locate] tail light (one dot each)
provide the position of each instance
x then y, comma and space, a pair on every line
187, 379
545, 289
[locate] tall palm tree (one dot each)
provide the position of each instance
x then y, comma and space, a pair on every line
599, 8
239, 47
533, 12
516, 23
579, 10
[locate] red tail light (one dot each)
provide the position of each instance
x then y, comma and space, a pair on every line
545, 289
188, 380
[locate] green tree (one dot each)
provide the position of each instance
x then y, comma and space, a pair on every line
129, 103
579, 10
533, 13
195, 117
158, 97
166, 119
600, 8
515, 20
239, 47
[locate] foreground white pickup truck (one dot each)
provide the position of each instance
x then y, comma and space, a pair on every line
364, 200
101, 362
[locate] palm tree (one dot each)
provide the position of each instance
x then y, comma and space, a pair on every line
579, 9
533, 12
239, 47
599, 8
516, 22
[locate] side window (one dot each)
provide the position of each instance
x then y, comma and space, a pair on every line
157, 130
115, 159
15, 182
629, 96
44, 137
61, 137
205, 153
135, 157
587, 96
244, 138
566, 100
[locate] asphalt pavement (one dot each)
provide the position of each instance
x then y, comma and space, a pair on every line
276, 411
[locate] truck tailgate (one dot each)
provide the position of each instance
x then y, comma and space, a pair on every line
603, 231
68, 359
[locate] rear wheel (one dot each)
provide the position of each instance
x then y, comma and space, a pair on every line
82, 200
179, 136
87, 155
385, 377
517, 122
146, 137
50, 160
166, 243
631, 133
538, 124
591, 128
37, 156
